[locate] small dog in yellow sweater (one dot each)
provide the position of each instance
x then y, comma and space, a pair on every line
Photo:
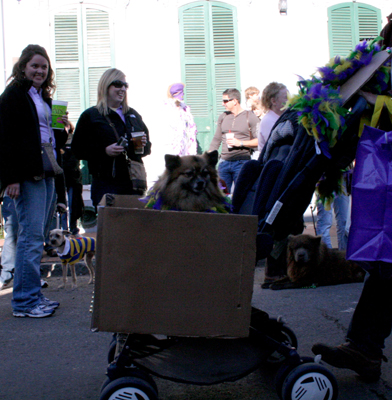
71, 251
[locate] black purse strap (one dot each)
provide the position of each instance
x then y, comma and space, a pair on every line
113, 127
124, 152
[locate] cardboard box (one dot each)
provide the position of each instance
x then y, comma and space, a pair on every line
362, 76
173, 273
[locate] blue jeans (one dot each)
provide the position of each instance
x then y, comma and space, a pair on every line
371, 323
11, 235
34, 207
340, 207
229, 170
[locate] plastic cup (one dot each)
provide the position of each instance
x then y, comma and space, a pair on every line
137, 142
229, 136
59, 108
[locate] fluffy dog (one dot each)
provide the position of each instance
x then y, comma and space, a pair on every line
72, 250
311, 262
189, 183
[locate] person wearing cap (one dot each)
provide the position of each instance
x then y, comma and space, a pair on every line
180, 128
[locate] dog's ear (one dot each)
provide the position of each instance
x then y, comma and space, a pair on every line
66, 232
211, 157
172, 162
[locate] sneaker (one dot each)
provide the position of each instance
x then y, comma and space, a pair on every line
347, 355
50, 303
44, 284
39, 311
6, 283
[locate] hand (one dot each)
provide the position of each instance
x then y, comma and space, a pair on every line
369, 97
234, 142
113, 150
13, 190
64, 120
61, 208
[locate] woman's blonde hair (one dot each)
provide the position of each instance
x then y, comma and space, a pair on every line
104, 83
269, 92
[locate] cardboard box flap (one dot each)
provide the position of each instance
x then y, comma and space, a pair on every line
359, 79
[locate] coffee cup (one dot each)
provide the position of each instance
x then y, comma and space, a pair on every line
229, 135
59, 108
137, 142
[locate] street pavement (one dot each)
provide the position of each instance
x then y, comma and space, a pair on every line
60, 358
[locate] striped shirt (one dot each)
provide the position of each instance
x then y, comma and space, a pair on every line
75, 249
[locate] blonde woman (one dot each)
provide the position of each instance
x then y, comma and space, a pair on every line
95, 139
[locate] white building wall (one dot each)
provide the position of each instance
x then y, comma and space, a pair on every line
147, 44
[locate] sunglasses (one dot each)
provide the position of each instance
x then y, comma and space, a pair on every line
226, 100
119, 84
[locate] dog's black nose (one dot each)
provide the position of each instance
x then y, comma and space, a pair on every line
199, 185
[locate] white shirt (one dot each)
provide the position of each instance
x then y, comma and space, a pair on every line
44, 115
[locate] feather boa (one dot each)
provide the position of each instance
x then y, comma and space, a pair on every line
318, 102
153, 200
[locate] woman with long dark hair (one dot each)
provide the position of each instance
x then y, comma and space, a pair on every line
25, 130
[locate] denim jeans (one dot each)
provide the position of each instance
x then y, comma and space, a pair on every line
11, 235
340, 207
371, 323
34, 206
229, 170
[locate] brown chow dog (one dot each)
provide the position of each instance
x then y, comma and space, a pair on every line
311, 262
190, 183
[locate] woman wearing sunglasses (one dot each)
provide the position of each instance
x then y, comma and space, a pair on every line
99, 131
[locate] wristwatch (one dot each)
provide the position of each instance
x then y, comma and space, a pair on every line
241, 144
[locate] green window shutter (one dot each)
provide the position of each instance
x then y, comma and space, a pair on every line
225, 57
369, 22
66, 62
349, 23
83, 51
209, 60
341, 35
97, 50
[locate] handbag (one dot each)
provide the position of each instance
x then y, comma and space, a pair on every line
370, 236
136, 170
51, 167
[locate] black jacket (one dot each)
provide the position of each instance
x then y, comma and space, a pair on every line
93, 134
20, 139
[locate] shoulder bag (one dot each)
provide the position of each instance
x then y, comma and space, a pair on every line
136, 170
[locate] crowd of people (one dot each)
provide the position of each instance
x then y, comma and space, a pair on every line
39, 173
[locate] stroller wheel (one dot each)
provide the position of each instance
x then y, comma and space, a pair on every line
133, 372
128, 388
310, 381
284, 370
287, 336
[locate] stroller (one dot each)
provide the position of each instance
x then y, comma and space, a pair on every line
198, 304
277, 188
203, 361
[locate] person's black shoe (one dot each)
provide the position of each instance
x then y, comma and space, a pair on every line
348, 356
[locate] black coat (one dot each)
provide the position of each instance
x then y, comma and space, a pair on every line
93, 134
20, 138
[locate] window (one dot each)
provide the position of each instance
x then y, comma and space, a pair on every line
82, 52
210, 63
349, 23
